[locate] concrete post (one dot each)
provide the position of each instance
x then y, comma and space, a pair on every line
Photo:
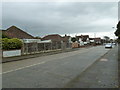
27, 47
22, 49
56, 45
44, 46
51, 45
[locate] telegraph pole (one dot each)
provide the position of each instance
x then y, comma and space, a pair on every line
94, 35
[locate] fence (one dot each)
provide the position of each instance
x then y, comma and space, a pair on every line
30, 48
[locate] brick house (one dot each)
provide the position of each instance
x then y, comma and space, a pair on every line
15, 32
66, 39
57, 39
96, 40
53, 38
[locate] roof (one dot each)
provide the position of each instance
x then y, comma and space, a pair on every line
15, 32
96, 39
1, 31
45, 41
65, 38
83, 37
53, 37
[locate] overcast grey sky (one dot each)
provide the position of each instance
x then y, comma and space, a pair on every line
44, 18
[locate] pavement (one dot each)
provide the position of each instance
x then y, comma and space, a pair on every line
53, 71
119, 63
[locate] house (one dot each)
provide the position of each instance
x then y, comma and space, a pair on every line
66, 39
75, 45
95, 41
58, 40
92, 41
52, 37
15, 32
83, 39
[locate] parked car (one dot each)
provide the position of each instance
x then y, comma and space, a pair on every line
114, 43
108, 45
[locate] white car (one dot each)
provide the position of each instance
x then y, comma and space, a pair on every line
108, 45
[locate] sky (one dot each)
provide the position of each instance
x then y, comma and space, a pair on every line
72, 18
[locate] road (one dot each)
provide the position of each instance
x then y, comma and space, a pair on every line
53, 71
102, 74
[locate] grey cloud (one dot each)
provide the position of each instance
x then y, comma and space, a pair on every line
44, 18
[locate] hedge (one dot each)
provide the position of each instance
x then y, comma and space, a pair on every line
10, 44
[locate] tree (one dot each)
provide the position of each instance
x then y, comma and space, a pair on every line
73, 39
117, 32
106, 38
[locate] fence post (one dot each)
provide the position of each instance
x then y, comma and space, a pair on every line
51, 45
44, 47
56, 45
22, 49
37, 47
62, 45
26, 48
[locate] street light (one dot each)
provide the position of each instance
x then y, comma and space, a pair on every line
114, 35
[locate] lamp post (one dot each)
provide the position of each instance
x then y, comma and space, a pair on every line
114, 35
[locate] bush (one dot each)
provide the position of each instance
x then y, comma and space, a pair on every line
10, 44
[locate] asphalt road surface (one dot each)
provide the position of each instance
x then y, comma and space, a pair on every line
53, 71
102, 74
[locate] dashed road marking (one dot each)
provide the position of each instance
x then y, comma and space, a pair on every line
104, 59
23, 67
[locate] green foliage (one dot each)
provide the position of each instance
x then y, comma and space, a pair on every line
118, 40
10, 44
73, 39
117, 32
106, 38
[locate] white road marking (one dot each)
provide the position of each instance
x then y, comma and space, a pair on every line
103, 59
38, 63
113, 54
23, 67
